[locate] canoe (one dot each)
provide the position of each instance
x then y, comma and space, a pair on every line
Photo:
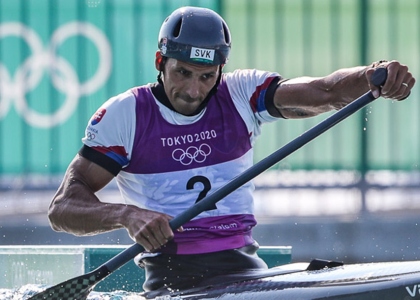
387, 280
298, 281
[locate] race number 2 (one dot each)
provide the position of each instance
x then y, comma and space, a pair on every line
206, 187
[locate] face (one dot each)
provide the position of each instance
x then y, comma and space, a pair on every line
187, 85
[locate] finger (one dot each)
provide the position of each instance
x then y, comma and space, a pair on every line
152, 239
376, 92
159, 235
402, 90
180, 229
407, 85
405, 88
397, 73
166, 234
408, 82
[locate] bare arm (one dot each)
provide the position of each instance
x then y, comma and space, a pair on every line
309, 96
76, 209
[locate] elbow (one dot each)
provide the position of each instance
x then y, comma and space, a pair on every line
55, 216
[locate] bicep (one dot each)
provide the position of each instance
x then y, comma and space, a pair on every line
88, 173
75, 207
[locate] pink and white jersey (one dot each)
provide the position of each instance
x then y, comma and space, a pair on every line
170, 161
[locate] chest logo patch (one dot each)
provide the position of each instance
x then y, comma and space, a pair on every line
192, 153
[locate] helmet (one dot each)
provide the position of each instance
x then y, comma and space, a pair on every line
196, 35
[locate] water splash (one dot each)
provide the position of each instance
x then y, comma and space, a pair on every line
27, 291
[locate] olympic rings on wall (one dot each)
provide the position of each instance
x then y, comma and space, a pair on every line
14, 87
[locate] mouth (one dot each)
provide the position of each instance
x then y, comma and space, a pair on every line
188, 99
187, 105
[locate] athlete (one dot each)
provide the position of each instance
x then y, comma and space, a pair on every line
172, 142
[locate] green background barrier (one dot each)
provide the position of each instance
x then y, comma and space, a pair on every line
48, 265
59, 60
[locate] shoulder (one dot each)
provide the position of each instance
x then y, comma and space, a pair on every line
120, 100
140, 92
251, 76
128, 100
248, 89
248, 83
117, 109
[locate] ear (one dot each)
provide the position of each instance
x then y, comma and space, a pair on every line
158, 61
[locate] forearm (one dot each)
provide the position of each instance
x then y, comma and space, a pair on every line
76, 209
308, 96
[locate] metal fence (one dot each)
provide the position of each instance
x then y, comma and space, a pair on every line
59, 60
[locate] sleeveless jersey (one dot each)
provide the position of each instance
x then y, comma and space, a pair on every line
170, 161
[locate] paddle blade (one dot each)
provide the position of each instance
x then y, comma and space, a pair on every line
77, 288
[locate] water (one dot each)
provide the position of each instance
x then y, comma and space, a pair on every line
26, 291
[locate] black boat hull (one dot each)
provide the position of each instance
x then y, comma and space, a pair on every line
390, 280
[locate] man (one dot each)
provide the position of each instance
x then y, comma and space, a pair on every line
172, 142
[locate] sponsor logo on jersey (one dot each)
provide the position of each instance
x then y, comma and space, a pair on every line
202, 54
98, 116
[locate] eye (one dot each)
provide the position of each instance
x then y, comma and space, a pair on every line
184, 72
208, 76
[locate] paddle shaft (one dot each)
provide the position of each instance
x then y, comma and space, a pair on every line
378, 79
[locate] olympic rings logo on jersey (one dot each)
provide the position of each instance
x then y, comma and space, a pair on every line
14, 87
186, 157
90, 136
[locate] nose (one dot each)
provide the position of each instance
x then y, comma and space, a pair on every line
193, 89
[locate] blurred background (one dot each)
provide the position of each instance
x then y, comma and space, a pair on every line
352, 194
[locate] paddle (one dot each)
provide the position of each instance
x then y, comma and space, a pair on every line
79, 287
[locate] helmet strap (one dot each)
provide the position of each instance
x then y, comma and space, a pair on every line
161, 62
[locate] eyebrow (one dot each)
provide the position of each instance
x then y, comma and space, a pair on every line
190, 71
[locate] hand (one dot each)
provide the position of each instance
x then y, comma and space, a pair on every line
399, 82
149, 228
